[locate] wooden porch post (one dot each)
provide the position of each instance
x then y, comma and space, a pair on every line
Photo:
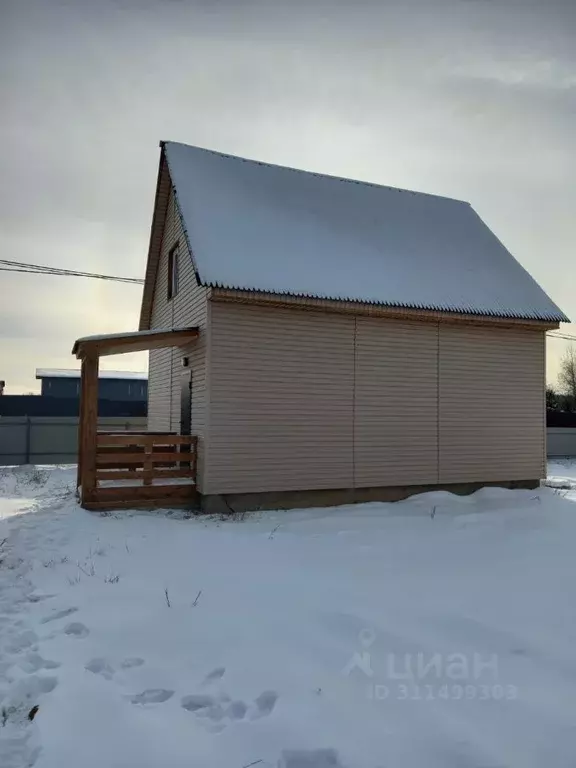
80, 430
88, 426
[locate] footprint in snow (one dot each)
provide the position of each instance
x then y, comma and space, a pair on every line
152, 696
209, 711
33, 662
195, 703
76, 629
22, 642
58, 615
220, 710
264, 705
133, 661
309, 758
100, 667
236, 710
216, 674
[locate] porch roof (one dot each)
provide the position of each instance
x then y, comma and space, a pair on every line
134, 341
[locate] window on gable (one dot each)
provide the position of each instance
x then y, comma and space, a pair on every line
173, 272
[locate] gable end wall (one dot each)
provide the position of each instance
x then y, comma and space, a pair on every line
189, 307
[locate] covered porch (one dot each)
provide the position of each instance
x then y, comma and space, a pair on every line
128, 469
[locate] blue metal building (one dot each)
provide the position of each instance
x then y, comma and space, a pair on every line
119, 386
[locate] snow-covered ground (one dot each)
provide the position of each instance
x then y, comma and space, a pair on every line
438, 632
562, 475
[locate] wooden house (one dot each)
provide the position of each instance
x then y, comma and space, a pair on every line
346, 341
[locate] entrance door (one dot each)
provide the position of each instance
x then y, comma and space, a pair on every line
186, 403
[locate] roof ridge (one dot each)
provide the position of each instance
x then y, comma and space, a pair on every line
316, 173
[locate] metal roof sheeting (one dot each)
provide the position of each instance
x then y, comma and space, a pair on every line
259, 227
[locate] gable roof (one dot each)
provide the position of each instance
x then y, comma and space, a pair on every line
259, 227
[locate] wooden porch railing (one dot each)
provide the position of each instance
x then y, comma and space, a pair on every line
131, 469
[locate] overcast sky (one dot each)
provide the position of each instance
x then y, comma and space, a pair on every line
474, 99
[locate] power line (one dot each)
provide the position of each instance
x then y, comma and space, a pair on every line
72, 274
8, 266
564, 336
42, 269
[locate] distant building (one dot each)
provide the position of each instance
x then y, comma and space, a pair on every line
119, 386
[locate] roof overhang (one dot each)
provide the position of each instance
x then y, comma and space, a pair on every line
262, 298
137, 341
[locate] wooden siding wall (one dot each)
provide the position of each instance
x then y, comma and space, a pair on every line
281, 386
396, 425
304, 400
188, 307
492, 404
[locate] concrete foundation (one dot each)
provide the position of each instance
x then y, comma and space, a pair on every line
247, 502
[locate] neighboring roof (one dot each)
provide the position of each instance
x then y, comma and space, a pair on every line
133, 341
259, 227
74, 373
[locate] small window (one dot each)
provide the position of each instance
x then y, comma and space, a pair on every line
173, 272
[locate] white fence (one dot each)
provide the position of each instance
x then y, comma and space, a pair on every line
49, 439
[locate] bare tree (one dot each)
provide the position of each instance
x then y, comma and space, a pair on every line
567, 375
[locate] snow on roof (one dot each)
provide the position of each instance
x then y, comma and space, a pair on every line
129, 334
133, 341
74, 373
255, 226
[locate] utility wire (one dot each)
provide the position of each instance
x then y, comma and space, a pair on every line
72, 274
42, 269
46, 268
565, 336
